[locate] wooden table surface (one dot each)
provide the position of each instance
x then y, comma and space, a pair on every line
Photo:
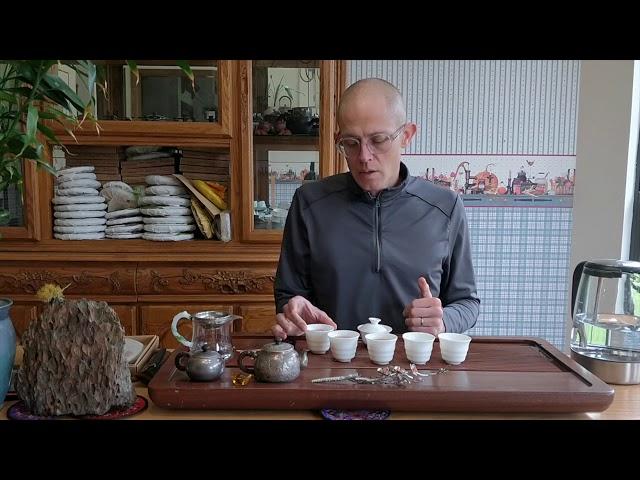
625, 406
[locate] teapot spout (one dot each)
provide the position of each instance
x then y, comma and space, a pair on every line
304, 359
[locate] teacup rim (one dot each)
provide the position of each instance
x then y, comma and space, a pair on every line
455, 337
430, 337
383, 336
320, 327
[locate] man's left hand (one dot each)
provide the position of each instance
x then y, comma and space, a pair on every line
424, 314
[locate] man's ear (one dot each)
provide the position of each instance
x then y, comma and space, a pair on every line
409, 132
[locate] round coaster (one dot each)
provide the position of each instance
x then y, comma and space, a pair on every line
139, 405
19, 411
333, 414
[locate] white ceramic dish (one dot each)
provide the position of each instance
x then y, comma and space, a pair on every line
132, 349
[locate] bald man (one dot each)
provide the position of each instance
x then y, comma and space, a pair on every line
375, 242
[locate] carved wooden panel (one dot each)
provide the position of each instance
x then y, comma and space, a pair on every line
257, 318
198, 280
128, 317
156, 320
21, 315
82, 279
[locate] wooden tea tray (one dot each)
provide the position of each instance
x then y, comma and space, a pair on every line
500, 374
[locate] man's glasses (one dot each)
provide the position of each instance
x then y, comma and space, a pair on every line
377, 144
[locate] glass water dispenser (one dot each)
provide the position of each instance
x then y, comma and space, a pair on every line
605, 337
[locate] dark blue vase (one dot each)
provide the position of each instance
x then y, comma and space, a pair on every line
7, 347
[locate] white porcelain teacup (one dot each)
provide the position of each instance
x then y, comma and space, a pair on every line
343, 344
381, 347
317, 337
454, 347
418, 346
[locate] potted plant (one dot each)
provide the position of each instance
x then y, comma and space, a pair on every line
32, 97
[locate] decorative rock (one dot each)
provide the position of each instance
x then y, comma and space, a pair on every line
74, 361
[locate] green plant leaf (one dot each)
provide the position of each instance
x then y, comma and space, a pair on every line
134, 70
184, 66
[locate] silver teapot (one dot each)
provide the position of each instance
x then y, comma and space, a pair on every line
204, 366
276, 362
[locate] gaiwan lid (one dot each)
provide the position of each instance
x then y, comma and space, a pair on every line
373, 326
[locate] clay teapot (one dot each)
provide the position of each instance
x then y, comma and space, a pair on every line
276, 362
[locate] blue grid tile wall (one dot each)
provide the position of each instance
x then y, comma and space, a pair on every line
521, 259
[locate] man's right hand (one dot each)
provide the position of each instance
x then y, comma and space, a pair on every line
295, 316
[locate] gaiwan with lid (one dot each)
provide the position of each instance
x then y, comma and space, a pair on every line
372, 327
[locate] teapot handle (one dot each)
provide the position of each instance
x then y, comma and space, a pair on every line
174, 328
179, 363
247, 353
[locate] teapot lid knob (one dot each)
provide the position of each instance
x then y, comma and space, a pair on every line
206, 347
374, 320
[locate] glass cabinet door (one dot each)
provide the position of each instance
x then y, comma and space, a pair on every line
159, 99
291, 118
19, 208
286, 129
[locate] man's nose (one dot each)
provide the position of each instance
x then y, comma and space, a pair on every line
365, 154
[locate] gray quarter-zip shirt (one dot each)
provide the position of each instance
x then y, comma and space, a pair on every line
357, 256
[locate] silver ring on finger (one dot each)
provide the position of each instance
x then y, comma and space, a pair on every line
421, 322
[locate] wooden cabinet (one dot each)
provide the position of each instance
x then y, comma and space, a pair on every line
21, 314
128, 315
257, 318
147, 282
